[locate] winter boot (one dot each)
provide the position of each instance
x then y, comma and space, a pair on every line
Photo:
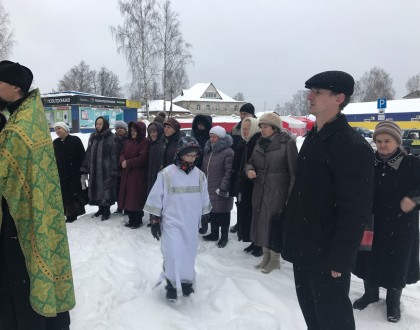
106, 213
265, 260
204, 228
71, 219
250, 248
234, 228
214, 235
137, 220
371, 295
393, 298
274, 263
257, 252
224, 239
99, 212
170, 291
187, 289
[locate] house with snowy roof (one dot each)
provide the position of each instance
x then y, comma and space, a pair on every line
205, 98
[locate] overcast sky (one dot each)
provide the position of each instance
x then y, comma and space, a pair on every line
265, 49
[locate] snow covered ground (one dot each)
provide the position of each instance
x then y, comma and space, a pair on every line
116, 268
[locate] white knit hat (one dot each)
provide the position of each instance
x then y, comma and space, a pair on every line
219, 131
62, 125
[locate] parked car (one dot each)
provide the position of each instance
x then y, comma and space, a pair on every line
363, 132
187, 131
411, 141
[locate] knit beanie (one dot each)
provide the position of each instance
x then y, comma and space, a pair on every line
173, 123
160, 117
271, 119
388, 127
62, 125
219, 131
121, 124
254, 128
16, 75
248, 108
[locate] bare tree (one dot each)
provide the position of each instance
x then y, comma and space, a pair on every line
239, 97
299, 104
178, 82
6, 35
372, 85
173, 50
106, 83
413, 83
78, 78
136, 40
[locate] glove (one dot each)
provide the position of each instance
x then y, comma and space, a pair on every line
205, 218
83, 179
156, 232
222, 193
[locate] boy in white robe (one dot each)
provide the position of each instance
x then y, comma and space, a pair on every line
177, 202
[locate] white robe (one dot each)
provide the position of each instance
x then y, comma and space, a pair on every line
180, 200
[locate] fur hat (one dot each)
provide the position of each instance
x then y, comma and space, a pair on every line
254, 128
388, 127
336, 81
219, 131
173, 123
248, 108
62, 125
121, 124
16, 75
271, 119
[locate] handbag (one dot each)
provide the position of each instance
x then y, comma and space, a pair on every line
367, 239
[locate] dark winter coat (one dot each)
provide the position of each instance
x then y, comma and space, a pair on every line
275, 168
202, 136
394, 259
331, 200
70, 154
243, 187
155, 163
217, 166
236, 135
169, 148
133, 186
101, 163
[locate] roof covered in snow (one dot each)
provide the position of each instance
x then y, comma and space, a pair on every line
199, 92
157, 105
392, 106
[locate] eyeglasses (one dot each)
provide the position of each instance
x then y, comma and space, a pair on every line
191, 155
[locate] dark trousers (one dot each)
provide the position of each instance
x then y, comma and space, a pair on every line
16, 312
324, 300
221, 220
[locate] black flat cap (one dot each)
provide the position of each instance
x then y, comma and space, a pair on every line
336, 81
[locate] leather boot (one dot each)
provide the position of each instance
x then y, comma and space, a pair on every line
187, 289
170, 291
265, 260
214, 235
98, 213
224, 239
257, 252
393, 298
371, 295
250, 248
106, 213
274, 263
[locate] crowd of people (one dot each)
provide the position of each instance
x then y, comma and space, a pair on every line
332, 209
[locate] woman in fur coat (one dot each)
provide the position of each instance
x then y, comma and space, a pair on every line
101, 163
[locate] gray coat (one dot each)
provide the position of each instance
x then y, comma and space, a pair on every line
275, 168
217, 166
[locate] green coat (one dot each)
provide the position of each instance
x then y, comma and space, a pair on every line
30, 184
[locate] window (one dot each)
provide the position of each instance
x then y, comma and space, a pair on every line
211, 95
198, 107
208, 107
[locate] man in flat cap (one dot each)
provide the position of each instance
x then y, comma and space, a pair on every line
36, 284
329, 205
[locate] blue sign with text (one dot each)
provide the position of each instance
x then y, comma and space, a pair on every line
382, 103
